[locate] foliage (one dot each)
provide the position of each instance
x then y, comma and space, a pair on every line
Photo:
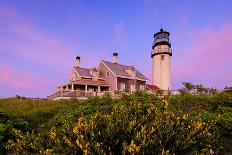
6, 126
197, 121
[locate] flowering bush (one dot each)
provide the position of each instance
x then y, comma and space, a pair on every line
132, 128
138, 123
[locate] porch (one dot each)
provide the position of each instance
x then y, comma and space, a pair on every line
80, 89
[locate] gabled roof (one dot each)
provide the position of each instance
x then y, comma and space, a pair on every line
152, 87
82, 71
120, 70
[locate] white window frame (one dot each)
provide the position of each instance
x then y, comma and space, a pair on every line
141, 87
122, 86
132, 87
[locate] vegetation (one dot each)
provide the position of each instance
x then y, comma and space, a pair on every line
197, 121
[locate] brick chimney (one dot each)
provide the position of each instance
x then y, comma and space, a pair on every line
78, 61
115, 58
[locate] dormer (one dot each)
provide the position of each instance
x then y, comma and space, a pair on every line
131, 71
73, 76
94, 73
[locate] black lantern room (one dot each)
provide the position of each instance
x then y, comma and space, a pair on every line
161, 38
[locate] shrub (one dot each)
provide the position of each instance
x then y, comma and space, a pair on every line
135, 128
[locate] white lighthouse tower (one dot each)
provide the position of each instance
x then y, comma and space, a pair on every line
161, 57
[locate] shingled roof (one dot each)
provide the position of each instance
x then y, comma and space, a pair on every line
120, 70
152, 87
82, 71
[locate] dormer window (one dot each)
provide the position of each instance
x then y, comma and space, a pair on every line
107, 73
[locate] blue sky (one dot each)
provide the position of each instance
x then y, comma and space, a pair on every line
40, 39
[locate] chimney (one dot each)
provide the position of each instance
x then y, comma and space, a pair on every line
115, 58
78, 61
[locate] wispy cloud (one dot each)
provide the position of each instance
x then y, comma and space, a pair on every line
210, 49
20, 38
16, 79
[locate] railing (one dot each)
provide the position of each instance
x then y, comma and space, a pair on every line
75, 93
161, 40
162, 50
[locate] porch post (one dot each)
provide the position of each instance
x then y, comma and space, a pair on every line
66, 87
72, 87
99, 89
86, 88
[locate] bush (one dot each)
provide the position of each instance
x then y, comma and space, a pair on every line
138, 123
134, 128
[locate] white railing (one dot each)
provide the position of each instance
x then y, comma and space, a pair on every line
74, 93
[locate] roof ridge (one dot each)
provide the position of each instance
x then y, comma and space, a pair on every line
118, 63
81, 67
120, 70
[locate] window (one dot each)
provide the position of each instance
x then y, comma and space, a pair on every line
132, 87
141, 87
107, 74
122, 86
162, 57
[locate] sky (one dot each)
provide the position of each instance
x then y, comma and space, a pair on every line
40, 39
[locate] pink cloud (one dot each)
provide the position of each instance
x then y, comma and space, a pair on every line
210, 50
20, 38
15, 78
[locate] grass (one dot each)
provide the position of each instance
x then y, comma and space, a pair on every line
36, 112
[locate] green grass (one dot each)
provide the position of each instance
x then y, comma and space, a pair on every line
36, 112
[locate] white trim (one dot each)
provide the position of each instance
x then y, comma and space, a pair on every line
142, 80
141, 87
132, 87
76, 71
132, 78
108, 68
116, 88
122, 86
72, 72
88, 77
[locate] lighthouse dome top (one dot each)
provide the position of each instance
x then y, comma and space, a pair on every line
161, 32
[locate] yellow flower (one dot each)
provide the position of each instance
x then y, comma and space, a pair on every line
98, 144
52, 133
165, 103
211, 151
48, 152
185, 116
133, 148
165, 152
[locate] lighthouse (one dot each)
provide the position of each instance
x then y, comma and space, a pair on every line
161, 60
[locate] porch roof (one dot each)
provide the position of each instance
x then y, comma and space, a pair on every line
89, 82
